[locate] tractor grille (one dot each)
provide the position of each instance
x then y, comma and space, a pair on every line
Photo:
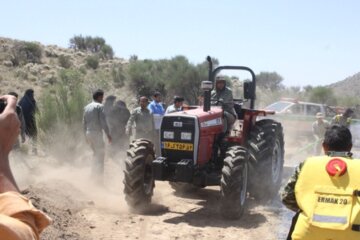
178, 138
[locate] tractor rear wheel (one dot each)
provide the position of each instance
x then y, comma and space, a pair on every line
138, 178
266, 148
233, 185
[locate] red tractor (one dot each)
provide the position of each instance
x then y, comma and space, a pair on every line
196, 153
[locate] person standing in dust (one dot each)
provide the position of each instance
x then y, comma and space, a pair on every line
94, 123
343, 119
319, 128
29, 108
157, 110
109, 103
143, 120
117, 118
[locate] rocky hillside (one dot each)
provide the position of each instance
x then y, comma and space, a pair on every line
349, 86
33, 65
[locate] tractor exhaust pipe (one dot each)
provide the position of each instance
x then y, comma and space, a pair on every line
207, 92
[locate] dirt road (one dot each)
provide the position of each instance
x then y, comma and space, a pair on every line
81, 210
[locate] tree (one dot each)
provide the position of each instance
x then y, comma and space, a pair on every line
143, 77
133, 58
269, 80
171, 77
92, 44
308, 88
185, 78
323, 95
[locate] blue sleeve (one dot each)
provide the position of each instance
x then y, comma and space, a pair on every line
151, 108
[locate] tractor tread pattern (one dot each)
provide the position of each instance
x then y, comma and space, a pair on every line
231, 182
263, 138
135, 163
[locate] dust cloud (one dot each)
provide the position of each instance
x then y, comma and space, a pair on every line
58, 182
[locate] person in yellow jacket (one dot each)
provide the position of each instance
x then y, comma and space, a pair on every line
343, 119
325, 192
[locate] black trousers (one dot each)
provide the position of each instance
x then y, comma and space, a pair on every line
293, 223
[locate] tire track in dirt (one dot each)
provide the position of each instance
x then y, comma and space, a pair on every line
84, 211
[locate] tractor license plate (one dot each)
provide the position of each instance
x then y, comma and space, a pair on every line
178, 146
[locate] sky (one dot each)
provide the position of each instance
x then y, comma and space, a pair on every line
307, 42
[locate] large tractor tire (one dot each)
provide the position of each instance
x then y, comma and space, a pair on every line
266, 148
138, 178
233, 185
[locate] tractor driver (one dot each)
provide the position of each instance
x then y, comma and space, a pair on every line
222, 95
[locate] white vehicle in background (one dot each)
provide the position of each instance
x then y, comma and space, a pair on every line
297, 116
294, 107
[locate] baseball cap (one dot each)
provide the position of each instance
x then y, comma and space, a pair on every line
220, 78
319, 115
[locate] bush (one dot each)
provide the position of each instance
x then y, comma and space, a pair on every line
83, 70
78, 43
63, 103
118, 76
65, 61
171, 77
60, 120
26, 52
323, 95
92, 61
107, 52
92, 44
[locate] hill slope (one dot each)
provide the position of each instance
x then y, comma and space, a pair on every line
349, 86
33, 65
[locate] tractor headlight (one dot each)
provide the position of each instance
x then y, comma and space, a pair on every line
186, 136
168, 135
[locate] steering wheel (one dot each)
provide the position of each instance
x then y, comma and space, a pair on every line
216, 102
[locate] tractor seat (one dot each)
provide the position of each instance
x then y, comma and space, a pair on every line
239, 110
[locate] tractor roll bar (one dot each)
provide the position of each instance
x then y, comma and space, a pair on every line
213, 73
207, 94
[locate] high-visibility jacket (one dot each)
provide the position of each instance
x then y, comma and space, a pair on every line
330, 205
340, 119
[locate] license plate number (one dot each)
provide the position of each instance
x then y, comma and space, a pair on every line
178, 146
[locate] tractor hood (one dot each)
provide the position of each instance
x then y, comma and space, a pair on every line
211, 118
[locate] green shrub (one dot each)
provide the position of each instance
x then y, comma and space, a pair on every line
92, 61
170, 77
118, 76
83, 70
60, 120
107, 52
92, 44
26, 52
65, 61
63, 103
19, 73
78, 43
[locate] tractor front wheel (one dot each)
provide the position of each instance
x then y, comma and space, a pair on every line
138, 178
233, 184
